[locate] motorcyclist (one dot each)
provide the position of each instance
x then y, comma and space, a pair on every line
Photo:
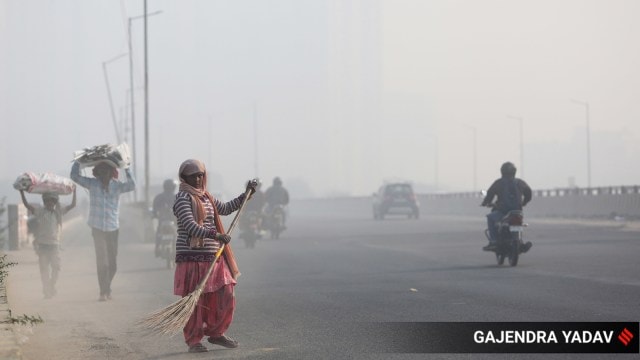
163, 208
512, 194
257, 200
256, 204
276, 195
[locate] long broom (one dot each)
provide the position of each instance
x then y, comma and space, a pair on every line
174, 317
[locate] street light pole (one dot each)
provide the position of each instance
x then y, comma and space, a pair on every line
521, 142
146, 110
475, 159
132, 95
475, 156
586, 106
106, 79
133, 109
255, 139
435, 160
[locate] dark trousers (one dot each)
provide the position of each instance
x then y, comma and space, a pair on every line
106, 244
492, 219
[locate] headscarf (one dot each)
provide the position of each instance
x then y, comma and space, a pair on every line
190, 167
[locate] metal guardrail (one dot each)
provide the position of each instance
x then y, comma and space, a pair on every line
595, 202
594, 191
609, 190
614, 202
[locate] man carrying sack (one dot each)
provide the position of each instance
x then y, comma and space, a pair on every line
104, 212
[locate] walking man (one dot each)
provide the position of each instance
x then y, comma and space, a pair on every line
104, 208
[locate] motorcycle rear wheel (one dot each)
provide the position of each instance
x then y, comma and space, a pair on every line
500, 258
514, 252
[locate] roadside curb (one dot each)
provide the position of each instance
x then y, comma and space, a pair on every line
9, 347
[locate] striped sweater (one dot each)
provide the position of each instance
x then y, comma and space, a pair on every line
187, 226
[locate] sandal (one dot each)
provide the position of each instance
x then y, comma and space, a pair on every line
197, 348
224, 341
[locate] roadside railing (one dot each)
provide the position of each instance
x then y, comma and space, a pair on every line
594, 191
620, 202
612, 202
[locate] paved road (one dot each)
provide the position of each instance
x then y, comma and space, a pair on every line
324, 275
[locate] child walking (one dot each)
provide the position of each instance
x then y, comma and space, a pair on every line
47, 237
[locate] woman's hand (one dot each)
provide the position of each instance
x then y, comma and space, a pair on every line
223, 238
252, 185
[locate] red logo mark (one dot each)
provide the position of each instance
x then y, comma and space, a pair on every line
625, 337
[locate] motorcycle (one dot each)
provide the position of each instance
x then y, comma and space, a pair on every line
509, 243
274, 221
250, 228
167, 232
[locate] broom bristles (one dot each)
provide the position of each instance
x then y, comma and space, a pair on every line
173, 318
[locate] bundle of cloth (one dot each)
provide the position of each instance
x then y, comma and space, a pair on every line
44, 183
117, 156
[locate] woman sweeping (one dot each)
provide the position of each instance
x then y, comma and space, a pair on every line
200, 236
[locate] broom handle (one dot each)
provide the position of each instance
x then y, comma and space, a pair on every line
219, 252
235, 219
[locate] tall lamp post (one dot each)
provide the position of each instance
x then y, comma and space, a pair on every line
255, 139
475, 156
586, 106
106, 79
521, 142
146, 110
131, 94
435, 160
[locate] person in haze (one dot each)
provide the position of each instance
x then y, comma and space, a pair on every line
163, 208
104, 211
47, 237
276, 195
256, 204
512, 194
257, 200
200, 236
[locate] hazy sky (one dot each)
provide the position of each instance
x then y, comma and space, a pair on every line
343, 94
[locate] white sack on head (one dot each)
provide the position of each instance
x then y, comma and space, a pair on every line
44, 183
117, 156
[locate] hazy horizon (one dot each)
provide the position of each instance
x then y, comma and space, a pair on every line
343, 95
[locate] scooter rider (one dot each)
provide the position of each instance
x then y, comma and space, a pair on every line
513, 194
276, 195
163, 208
257, 201
255, 204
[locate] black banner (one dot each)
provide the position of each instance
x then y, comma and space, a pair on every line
499, 337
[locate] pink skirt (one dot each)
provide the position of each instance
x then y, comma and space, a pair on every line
189, 274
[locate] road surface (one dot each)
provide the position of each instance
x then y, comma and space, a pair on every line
326, 273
